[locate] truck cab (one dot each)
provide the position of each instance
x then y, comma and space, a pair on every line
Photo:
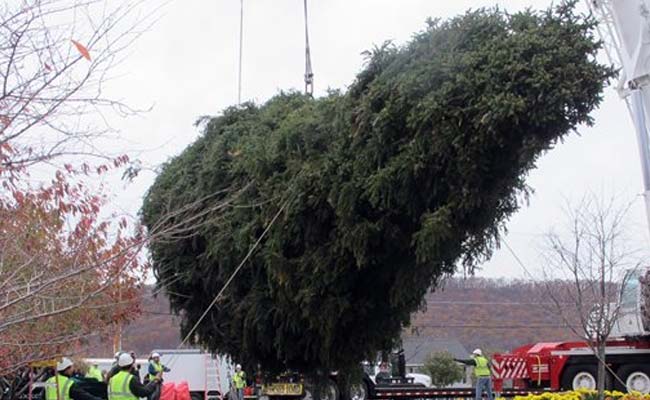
630, 321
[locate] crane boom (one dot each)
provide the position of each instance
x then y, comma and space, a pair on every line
624, 26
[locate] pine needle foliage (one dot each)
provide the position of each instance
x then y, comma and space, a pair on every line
388, 187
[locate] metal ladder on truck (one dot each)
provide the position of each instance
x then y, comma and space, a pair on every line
212, 374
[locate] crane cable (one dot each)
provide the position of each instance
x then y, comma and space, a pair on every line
309, 74
230, 279
241, 46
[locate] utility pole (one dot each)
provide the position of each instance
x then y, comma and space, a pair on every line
117, 339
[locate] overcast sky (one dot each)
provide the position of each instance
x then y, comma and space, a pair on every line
186, 66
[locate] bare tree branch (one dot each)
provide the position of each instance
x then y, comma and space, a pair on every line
589, 266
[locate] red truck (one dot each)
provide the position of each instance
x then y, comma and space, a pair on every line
573, 365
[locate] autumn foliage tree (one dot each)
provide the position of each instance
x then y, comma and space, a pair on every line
66, 273
69, 269
354, 205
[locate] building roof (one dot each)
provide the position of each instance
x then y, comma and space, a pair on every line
418, 348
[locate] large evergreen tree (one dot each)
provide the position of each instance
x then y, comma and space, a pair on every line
386, 188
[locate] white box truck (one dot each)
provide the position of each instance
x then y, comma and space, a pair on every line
207, 376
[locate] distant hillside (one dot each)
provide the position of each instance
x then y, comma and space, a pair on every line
491, 314
155, 328
487, 313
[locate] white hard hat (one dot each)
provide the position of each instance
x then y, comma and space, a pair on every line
125, 360
154, 355
64, 364
477, 352
238, 366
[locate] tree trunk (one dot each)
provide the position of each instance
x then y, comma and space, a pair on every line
600, 380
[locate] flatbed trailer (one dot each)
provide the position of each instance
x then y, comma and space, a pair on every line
411, 392
391, 388
435, 393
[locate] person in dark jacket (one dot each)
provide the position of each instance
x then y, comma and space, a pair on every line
114, 368
136, 369
62, 387
125, 383
384, 373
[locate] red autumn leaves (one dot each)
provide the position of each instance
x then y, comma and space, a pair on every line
69, 273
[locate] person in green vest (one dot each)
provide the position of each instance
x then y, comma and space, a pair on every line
62, 387
95, 373
482, 374
155, 367
126, 386
239, 382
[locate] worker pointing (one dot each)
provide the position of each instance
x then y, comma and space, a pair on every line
482, 373
62, 387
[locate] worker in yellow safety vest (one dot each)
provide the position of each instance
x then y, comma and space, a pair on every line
482, 374
126, 386
239, 382
95, 373
155, 367
62, 387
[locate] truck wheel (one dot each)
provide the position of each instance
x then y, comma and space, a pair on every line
358, 391
329, 392
332, 391
636, 377
582, 377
